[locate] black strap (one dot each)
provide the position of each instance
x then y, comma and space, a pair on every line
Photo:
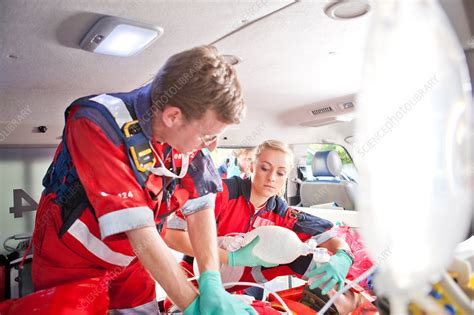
73, 207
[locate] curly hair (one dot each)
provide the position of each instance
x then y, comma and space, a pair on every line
196, 80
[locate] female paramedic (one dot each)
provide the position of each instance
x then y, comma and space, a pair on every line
245, 204
126, 161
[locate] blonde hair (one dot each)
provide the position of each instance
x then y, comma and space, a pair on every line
239, 152
196, 80
278, 146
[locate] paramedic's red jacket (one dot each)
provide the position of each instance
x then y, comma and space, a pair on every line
235, 214
95, 245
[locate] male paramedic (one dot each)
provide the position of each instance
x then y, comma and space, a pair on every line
126, 161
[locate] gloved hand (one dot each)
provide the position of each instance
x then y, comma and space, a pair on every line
335, 272
214, 300
245, 257
193, 308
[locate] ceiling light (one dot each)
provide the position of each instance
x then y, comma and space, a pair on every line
119, 37
347, 9
345, 118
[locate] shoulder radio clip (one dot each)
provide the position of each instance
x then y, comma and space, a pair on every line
139, 146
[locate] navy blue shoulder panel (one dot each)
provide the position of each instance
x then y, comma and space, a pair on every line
310, 224
99, 110
85, 103
301, 264
277, 205
204, 174
306, 223
233, 187
238, 187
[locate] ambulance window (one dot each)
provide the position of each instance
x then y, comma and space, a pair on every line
220, 155
349, 170
225, 161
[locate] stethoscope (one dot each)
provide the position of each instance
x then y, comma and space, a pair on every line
163, 171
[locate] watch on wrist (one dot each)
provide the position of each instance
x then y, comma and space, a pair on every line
349, 254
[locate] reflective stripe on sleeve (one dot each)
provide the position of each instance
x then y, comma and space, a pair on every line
81, 232
125, 220
200, 203
258, 275
325, 236
144, 309
176, 223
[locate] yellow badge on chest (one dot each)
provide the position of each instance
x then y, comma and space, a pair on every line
139, 146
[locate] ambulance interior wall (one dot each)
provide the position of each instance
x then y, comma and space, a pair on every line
21, 174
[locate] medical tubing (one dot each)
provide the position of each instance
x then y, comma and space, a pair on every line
231, 284
7, 247
347, 287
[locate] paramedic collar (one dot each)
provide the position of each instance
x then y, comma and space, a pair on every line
163, 171
143, 109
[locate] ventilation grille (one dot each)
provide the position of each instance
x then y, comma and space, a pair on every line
320, 111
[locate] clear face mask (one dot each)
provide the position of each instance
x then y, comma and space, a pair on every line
163, 171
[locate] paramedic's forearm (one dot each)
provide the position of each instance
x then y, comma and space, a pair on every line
179, 241
202, 233
155, 256
334, 244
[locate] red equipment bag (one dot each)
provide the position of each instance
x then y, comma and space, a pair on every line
3, 278
264, 308
86, 297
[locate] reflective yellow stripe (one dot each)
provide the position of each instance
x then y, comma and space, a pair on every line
147, 151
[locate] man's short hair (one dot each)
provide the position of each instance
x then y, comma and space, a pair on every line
196, 80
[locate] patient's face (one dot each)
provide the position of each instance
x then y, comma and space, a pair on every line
270, 172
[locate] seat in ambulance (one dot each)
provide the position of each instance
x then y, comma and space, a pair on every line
328, 186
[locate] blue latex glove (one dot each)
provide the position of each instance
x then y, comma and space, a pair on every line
335, 271
245, 257
214, 300
193, 308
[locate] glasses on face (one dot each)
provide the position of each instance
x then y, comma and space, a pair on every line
208, 140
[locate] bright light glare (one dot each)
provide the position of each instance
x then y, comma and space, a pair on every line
414, 197
345, 118
126, 40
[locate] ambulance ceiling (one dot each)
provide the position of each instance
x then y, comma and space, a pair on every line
292, 58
